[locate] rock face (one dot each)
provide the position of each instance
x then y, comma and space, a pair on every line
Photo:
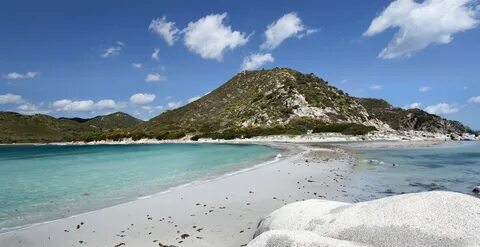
411, 119
420, 219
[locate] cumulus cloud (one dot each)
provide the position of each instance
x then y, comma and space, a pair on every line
10, 99
415, 105
153, 77
376, 87
209, 37
424, 89
155, 53
73, 105
69, 105
165, 29
137, 65
113, 50
105, 104
142, 98
422, 24
194, 99
174, 104
441, 108
151, 109
256, 60
474, 100
29, 109
289, 25
16, 75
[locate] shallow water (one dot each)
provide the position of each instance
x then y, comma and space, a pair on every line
42, 183
385, 172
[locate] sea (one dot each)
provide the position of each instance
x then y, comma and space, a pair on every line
382, 172
41, 183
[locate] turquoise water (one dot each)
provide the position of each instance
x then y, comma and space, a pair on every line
42, 183
385, 172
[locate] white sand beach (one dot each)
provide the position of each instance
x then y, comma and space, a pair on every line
221, 212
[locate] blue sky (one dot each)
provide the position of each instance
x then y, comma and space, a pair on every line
85, 58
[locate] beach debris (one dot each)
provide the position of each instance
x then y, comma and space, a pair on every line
164, 245
120, 244
184, 236
78, 226
476, 189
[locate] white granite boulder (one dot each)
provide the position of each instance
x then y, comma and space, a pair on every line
420, 219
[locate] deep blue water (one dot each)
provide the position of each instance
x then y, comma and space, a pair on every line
384, 172
47, 182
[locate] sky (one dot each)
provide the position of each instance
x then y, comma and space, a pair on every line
88, 58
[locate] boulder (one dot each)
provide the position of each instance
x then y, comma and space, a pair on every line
436, 218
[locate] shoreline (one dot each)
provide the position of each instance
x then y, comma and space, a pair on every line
280, 155
62, 231
222, 207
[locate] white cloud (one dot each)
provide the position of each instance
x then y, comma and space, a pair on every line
137, 65
194, 99
344, 81
142, 98
474, 100
424, 89
289, 25
155, 53
153, 77
107, 104
113, 50
441, 108
256, 60
165, 29
415, 105
422, 24
73, 105
10, 99
16, 75
69, 105
210, 37
29, 109
376, 87
151, 109
174, 104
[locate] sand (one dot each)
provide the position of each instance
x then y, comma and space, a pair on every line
221, 212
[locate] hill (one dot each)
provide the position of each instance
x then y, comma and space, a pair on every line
252, 103
285, 101
39, 128
411, 119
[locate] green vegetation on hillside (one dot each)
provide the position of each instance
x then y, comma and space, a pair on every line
18, 128
280, 101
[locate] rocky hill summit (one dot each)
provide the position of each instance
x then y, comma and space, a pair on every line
283, 101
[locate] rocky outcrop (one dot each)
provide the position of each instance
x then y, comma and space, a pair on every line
411, 119
419, 219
